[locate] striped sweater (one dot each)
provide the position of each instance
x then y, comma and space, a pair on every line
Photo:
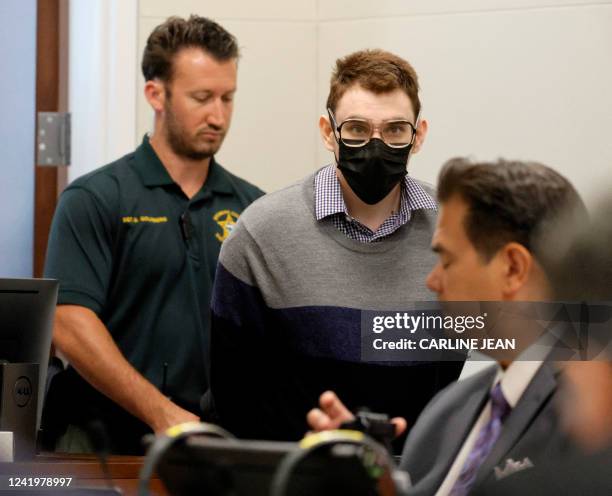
286, 316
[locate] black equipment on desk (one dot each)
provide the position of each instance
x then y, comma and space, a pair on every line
27, 309
330, 463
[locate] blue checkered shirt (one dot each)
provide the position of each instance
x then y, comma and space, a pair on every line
330, 203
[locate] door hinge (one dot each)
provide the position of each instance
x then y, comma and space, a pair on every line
53, 139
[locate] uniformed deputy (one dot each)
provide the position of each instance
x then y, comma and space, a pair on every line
135, 246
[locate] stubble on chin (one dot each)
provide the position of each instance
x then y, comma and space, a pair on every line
192, 149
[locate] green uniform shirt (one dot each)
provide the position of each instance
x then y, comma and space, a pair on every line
128, 244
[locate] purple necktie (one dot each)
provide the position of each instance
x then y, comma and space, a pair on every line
484, 443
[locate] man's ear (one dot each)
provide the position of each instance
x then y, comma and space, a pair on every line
155, 93
517, 264
327, 133
421, 134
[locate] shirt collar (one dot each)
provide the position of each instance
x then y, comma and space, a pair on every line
515, 379
417, 198
153, 173
329, 199
149, 166
218, 179
328, 194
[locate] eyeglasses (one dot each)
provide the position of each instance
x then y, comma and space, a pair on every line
358, 132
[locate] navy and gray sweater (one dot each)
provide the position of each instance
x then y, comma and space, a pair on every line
286, 316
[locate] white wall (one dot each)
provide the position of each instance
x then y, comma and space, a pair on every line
525, 79
102, 81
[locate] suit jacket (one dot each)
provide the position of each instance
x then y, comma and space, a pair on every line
531, 433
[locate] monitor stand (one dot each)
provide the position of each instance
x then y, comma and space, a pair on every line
18, 405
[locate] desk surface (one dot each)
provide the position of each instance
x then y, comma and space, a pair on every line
85, 470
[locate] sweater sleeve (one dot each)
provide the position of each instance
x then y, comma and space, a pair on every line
240, 377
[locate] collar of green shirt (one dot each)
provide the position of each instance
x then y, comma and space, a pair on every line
153, 173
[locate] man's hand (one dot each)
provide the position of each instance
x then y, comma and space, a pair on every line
332, 414
170, 415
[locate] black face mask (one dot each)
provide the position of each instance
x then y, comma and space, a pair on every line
373, 170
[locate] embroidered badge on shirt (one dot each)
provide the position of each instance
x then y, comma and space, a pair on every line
227, 220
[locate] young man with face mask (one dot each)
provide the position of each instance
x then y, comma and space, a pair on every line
303, 262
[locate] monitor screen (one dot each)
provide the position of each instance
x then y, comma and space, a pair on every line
27, 309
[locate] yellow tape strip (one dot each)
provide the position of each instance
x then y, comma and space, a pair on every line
315, 438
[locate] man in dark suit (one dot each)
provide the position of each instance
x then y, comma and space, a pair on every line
580, 270
501, 420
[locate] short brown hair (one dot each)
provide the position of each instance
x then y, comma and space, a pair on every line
509, 201
377, 71
176, 33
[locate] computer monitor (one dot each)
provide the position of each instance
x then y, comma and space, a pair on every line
27, 309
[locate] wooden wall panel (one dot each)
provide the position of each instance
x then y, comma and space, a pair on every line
49, 180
